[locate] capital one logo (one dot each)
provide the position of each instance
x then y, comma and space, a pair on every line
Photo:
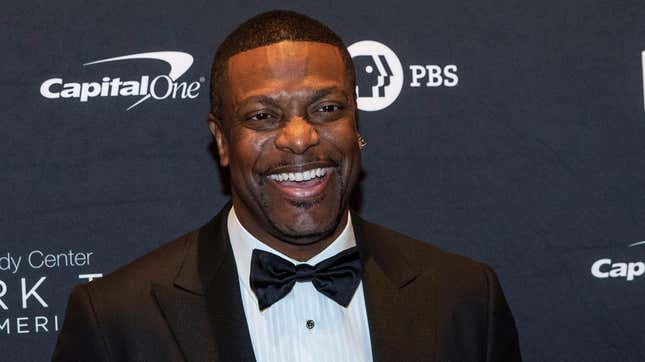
379, 75
628, 270
159, 87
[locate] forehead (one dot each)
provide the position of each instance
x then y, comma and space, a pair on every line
284, 66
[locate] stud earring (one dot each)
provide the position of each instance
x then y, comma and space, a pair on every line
362, 143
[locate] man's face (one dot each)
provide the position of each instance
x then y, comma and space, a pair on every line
289, 137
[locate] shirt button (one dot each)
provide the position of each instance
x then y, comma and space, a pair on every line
311, 324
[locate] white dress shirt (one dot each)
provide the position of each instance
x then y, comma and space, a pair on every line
305, 325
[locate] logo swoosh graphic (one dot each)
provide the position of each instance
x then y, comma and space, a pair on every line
179, 63
638, 243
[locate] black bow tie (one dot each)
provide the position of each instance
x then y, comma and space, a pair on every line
272, 277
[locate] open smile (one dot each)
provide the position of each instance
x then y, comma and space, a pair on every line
301, 182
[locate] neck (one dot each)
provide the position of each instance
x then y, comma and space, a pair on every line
298, 251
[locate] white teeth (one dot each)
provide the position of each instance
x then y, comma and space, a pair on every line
299, 176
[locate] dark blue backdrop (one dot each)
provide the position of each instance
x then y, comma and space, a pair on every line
532, 160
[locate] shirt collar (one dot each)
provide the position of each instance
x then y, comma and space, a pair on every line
243, 244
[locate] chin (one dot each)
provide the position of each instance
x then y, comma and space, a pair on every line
305, 227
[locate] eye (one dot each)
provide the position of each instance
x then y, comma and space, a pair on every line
262, 120
260, 116
329, 108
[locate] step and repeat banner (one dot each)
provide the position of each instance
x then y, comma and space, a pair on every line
509, 132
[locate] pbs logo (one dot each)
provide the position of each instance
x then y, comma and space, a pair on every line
379, 75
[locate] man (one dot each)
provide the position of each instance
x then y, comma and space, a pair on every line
286, 272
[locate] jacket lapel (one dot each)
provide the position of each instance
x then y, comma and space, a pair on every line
402, 318
204, 307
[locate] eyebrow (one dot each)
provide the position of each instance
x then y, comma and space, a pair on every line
323, 92
261, 99
316, 96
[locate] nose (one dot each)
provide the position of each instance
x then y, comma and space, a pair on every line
297, 136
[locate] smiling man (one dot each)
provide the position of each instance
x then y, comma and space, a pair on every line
286, 272
286, 127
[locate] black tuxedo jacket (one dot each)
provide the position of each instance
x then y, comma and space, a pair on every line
182, 302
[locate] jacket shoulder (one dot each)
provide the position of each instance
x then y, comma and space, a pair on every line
131, 285
104, 316
422, 255
453, 274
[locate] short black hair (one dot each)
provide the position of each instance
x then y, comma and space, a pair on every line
266, 29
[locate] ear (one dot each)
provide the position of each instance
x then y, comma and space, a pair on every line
215, 125
359, 139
